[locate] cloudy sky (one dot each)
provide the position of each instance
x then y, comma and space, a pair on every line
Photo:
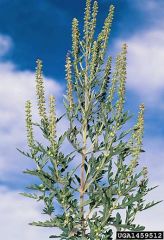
42, 29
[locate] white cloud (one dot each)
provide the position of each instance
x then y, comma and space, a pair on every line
16, 212
145, 65
151, 5
5, 44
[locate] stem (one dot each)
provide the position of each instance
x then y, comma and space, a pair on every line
84, 136
89, 213
82, 179
110, 212
82, 194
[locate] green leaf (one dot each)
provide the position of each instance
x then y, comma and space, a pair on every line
151, 204
48, 209
41, 148
58, 119
73, 170
78, 179
149, 189
138, 228
86, 202
40, 187
53, 236
61, 138
125, 117
25, 154
124, 133
118, 218
36, 124
34, 172
49, 223
85, 167
34, 196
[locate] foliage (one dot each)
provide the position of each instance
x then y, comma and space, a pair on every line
95, 99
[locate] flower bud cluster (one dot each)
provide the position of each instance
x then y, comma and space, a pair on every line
29, 128
95, 59
40, 90
145, 172
69, 82
136, 139
104, 34
122, 80
52, 120
138, 134
114, 81
107, 72
87, 19
75, 38
93, 21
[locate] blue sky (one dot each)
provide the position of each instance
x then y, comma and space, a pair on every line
42, 29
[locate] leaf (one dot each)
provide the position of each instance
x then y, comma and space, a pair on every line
139, 228
124, 133
78, 179
39, 173
149, 189
137, 175
74, 170
49, 223
86, 202
34, 172
48, 210
41, 148
65, 104
94, 215
25, 154
58, 119
61, 138
118, 218
73, 232
40, 187
36, 124
67, 156
34, 196
151, 204
125, 117
53, 236
85, 167
142, 150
